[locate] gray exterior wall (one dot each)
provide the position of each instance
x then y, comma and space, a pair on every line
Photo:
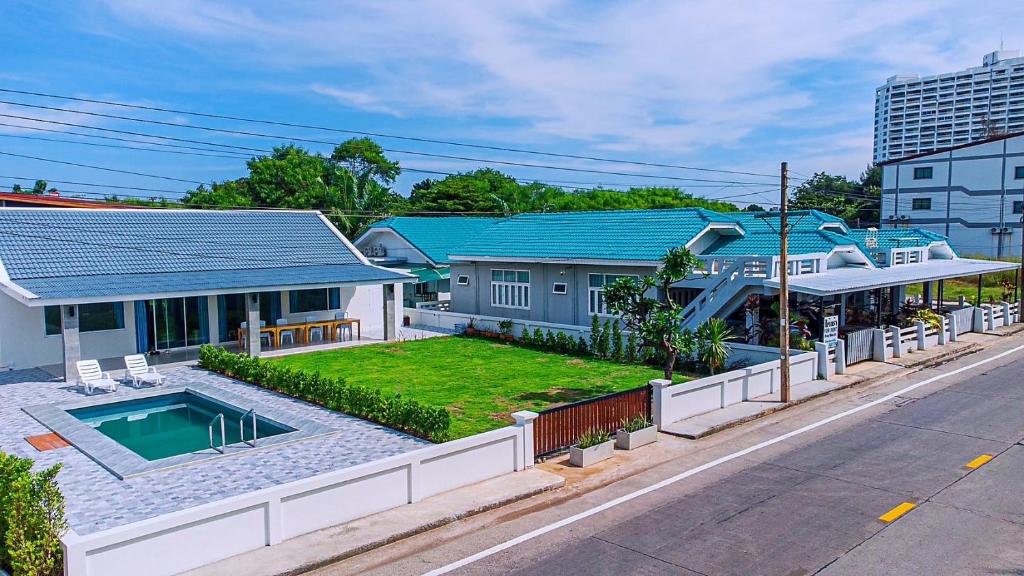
972, 191
545, 306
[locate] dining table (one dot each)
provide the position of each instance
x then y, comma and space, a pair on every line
301, 330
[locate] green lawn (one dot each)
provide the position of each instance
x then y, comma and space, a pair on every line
480, 381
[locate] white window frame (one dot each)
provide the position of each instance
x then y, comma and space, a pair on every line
462, 280
595, 294
564, 288
510, 293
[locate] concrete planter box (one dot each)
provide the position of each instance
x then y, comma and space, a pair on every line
583, 457
630, 440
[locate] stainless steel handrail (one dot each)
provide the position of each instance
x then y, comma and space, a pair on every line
241, 427
223, 436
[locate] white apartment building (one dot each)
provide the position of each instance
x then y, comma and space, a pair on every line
916, 115
972, 193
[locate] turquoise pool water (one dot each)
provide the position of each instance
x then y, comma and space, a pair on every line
172, 424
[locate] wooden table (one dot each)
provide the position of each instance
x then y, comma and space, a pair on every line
301, 330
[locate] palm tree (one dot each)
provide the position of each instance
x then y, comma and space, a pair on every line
713, 338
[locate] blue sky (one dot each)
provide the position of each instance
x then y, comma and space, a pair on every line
686, 83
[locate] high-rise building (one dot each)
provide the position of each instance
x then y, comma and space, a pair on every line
916, 115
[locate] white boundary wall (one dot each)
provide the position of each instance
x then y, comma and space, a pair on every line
448, 320
194, 537
679, 401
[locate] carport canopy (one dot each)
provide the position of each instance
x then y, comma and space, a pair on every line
844, 280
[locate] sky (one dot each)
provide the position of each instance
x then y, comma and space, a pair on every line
737, 86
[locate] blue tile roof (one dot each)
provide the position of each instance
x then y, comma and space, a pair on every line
437, 238
69, 253
610, 235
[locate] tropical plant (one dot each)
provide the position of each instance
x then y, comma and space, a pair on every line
713, 338
638, 422
655, 321
591, 438
505, 327
928, 317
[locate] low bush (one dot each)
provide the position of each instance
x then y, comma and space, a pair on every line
592, 438
31, 518
636, 423
392, 410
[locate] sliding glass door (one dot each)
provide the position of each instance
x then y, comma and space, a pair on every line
177, 322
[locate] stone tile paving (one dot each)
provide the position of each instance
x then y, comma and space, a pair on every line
97, 500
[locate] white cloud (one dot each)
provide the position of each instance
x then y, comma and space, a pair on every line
660, 77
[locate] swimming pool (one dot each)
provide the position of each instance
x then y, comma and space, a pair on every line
174, 424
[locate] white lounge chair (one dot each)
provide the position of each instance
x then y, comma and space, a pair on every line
139, 370
91, 376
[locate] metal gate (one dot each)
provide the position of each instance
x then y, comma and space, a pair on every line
858, 346
964, 320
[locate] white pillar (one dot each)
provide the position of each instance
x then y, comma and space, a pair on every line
979, 319
990, 318
252, 323
954, 327
943, 335
658, 409
821, 349
840, 356
878, 345
921, 336
72, 344
390, 317
897, 346
524, 419
1007, 316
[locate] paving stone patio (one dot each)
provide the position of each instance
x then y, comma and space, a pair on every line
97, 500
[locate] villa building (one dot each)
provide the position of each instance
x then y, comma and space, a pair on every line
94, 283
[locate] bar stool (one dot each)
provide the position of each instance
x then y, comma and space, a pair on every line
315, 332
342, 328
263, 336
285, 334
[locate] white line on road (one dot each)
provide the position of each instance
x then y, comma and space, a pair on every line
693, 471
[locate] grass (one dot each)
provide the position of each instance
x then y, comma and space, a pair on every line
480, 381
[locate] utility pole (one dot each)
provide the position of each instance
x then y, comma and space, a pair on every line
784, 284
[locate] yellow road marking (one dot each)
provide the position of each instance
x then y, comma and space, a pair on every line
897, 512
979, 461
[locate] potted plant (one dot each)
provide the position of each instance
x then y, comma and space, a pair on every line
635, 432
470, 329
591, 447
505, 328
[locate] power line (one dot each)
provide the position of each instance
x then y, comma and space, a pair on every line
380, 134
79, 165
119, 146
74, 183
392, 150
113, 138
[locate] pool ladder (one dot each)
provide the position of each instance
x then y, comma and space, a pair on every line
241, 430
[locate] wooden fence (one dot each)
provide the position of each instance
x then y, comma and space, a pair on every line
556, 429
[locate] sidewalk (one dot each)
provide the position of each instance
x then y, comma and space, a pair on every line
323, 547
702, 425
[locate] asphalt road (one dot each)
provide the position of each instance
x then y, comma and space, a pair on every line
810, 505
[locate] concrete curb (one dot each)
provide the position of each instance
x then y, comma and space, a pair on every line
907, 370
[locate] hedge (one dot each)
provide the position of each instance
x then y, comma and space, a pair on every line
31, 518
392, 410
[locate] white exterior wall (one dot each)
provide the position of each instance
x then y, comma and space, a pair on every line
395, 245
24, 343
972, 192
914, 115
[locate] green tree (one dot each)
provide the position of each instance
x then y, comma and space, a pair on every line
656, 321
38, 188
476, 191
617, 344
754, 208
871, 187
836, 195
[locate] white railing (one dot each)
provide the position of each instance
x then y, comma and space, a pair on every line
443, 305
190, 538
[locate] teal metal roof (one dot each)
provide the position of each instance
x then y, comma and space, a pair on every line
436, 238
610, 235
800, 242
78, 253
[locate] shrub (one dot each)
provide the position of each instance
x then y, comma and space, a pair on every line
592, 438
550, 343
581, 347
392, 410
603, 341
505, 327
617, 344
31, 518
631, 351
538, 338
565, 344
595, 334
928, 317
525, 339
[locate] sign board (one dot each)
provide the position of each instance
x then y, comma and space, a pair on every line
830, 332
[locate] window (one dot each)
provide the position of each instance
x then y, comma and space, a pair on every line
924, 173
559, 288
921, 204
309, 300
462, 280
510, 288
1018, 172
596, 290
91, 317
1018, 207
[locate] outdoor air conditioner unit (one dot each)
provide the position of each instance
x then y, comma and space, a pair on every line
994, 230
